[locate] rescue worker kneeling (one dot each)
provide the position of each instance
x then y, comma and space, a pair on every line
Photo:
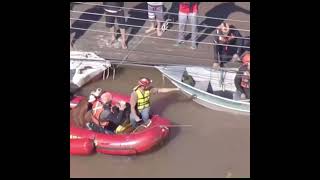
105, 118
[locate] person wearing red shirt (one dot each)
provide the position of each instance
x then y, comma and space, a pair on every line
187, 10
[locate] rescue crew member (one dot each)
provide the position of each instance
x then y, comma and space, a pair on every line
140, 101
242, 79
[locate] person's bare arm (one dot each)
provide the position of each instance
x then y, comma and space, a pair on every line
166, 90
133, 102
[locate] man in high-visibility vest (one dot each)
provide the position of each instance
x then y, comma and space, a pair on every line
140, 101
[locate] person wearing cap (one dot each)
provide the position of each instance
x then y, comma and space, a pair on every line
104, 117
242, 79
227, 35
140, 101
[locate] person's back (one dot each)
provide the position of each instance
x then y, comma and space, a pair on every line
116, 116
100, 110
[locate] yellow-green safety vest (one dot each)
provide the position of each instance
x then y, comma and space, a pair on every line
143, 99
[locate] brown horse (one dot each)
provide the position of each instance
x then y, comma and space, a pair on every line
80, 114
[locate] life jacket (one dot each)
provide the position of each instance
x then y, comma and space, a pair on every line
245, 81
97, 109
143, 99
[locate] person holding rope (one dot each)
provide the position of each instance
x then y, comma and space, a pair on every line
110, 20
140, 101
224, 55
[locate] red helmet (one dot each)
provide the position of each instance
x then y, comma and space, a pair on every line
106, 97
246, 58
144, 82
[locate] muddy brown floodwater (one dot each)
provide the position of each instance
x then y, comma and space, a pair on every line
216, 145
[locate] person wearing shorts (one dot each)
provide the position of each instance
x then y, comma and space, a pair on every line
155, 14
114, 11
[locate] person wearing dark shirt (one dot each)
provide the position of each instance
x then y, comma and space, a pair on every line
226, 36
114, 10
104, 117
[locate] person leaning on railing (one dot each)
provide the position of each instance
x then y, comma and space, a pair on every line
224, 54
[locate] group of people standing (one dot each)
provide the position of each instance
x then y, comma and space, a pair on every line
187, 10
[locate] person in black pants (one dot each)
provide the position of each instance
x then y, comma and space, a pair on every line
114, 11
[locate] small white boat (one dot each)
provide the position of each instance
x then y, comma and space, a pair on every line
84, 67
213, 89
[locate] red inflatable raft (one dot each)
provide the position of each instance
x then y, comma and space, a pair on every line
117, 144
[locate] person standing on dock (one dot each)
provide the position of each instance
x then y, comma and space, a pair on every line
187, 10
155, 14
114, 10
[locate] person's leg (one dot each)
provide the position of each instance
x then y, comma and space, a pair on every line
95, 127
151, 16
193, 22
145, 113
133, 120
159, 17
224, 57
236, 95
110, 25
182, 22
123, 38
121, 23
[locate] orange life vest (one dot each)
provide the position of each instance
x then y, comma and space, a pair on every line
97, 109
245, 81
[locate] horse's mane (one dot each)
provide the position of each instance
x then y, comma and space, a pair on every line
80, 114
